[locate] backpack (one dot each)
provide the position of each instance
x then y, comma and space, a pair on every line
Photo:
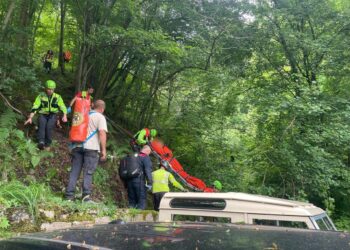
130, 167
80, 123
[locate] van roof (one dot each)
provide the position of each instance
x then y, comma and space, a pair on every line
269, 205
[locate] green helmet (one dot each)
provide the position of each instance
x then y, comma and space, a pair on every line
217, 185
153, 132
50, 84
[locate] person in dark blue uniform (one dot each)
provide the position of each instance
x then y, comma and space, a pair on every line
138, 186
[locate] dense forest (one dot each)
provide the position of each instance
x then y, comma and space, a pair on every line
252, 93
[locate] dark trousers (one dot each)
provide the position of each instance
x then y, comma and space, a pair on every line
157, 197
47, 66
86, 160
137, 193
46, 126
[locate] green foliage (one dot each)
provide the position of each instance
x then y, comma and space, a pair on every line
62, 206
51, 173
4, 223
252, 93
18, 152
31, 196
343, 223
101, 177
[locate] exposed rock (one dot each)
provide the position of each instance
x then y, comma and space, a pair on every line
19, 216
2, 210
47, 214
92, 212
102, 220
55, 226
138, 218
149, 218
82, 223
64, 216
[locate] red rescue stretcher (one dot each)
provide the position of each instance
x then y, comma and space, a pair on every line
165, 155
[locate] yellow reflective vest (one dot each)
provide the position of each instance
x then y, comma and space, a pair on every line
161, 179
45, 104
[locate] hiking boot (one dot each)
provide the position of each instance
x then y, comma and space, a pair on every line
87, 199
69, 199
41, 145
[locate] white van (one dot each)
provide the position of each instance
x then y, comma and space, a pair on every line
242, 208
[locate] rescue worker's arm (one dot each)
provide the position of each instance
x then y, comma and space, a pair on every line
175, 183
29, 120
72, 101
102, 134
141, 137
147, 164
35, 108
63, 108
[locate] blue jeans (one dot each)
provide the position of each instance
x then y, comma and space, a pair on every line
137, 193
82, 160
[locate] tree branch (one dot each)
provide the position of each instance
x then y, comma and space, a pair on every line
7, 103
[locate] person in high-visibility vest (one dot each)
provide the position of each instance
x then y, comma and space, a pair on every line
217, 186
47, 104
142, 137
160, 186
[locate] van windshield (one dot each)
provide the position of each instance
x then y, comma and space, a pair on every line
324, 223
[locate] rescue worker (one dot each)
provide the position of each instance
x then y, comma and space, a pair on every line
85, 156
217, 186
82, 94
48, 60
47, 104
143, 137
67, 56
160, 186
137, 192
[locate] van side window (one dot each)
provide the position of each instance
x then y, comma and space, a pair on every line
265, 222
198, 218
196, 203
280, 223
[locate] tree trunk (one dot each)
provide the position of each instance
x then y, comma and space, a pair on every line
27, 11
60, 54
8, 15
84, 51
35, 28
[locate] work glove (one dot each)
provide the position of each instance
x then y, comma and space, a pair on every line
69, 110
149, 187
